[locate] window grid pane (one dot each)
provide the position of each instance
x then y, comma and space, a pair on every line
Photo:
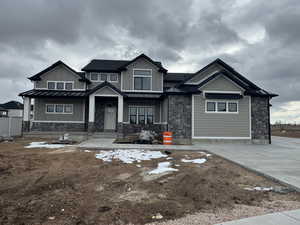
51, 85
59, 85
221, 106
68, 108
103, 77
94, 76
59, 108
50, 108
69, 86
211, 106
232, 107
113, 77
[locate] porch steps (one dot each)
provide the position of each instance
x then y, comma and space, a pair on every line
103, 135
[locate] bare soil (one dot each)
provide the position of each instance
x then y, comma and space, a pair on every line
70, 186
292, 133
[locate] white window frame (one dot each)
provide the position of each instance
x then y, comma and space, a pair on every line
91, 77
64, 82
108, 77
137, 113
113, 81
142, 76
63, 105
223, 101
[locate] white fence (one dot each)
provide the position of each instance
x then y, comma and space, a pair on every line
10, 126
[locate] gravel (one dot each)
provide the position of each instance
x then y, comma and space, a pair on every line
238, 212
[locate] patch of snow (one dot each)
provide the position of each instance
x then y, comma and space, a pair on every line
162, 168
44, 145
169, 158
206, 154
138, 165
129, 155
259, 189
198, 161
177, 165
87, 151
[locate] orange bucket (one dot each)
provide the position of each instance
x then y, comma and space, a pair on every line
167, 137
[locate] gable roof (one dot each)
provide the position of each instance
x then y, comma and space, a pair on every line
177, 77
104, 65
105, 84
228, 71
12, 105
37, 76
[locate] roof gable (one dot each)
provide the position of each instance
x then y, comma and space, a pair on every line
12, 105
80, 75
105, 85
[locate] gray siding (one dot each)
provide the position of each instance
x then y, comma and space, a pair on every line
221, 84
127, 76
41, 115
60, 73
209, 71
144, 102
221, 124
94, 84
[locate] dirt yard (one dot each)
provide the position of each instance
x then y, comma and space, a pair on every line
292, 133
70, 186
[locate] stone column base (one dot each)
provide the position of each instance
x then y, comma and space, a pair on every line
120, 130
91, 127
26, 126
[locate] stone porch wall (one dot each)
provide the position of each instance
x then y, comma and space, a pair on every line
125, 129
260, 119
37, 126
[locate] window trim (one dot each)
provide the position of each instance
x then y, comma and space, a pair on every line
58, 81
137, 113
223, 101
151, 77
55, 105
108, 77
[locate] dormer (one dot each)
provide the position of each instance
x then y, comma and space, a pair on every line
59, 77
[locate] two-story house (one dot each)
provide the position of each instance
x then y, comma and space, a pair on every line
125, 96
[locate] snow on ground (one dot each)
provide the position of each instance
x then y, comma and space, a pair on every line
129, 155
259, 189
44, 145
198, 161
162, 168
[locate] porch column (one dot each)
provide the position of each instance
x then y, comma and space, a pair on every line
91, 113
120, 109
26, 114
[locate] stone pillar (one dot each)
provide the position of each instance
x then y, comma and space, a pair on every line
120, 109
91, 124
26, 114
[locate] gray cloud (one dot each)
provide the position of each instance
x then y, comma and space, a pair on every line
259, 39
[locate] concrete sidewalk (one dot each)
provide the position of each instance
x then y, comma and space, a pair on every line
107, 144
280, 160
281, 218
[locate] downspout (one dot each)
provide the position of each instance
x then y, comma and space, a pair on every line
168, 113
270, 141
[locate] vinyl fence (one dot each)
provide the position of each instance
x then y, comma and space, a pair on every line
10, 126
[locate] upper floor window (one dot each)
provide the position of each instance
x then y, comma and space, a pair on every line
101, 77
221, 107
142, 79
60, 85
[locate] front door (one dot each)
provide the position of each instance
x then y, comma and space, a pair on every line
110, 116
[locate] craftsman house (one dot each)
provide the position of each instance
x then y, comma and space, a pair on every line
125, 96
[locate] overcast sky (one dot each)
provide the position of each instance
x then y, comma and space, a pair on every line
260, 39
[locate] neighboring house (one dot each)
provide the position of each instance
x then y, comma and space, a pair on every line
14, 108
3, 112
215, 102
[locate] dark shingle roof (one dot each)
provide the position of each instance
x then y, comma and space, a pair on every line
104, 65
38, 75
177, 77
53, 93
12, 105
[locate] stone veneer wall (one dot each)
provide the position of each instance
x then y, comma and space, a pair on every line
260, 119
124, 129
180, 116
37, 126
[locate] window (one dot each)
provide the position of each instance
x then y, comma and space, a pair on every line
68, 108
68, 86
141, 115
50, 108
113, 77
232, 107
221, 107
94, 76
103, 77
59, 108
211, 106
60, 85
51, 85
142, 79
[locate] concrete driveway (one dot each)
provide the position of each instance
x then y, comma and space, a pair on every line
280, 160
